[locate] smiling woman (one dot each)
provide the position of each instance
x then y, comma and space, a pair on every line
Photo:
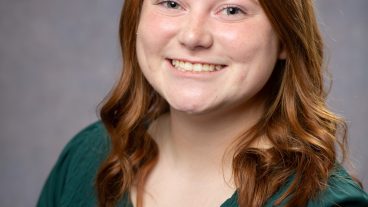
243, 46
220, 103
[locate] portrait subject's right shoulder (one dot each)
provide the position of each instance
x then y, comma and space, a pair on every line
71, 181
94, 137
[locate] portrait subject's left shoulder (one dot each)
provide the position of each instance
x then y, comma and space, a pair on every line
341, 191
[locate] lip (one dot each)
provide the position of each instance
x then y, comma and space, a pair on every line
193, 74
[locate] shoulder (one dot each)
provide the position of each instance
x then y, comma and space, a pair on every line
88, 147
71, 181
342, 191
94, 137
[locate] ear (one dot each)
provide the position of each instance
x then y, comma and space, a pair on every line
282, 52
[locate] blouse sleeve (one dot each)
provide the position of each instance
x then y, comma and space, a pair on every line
71, 181
342, 191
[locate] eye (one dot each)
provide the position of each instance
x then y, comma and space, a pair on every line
231, 10
170, 4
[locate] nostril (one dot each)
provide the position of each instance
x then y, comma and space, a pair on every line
196, 38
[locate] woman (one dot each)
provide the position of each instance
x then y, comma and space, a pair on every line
220, 103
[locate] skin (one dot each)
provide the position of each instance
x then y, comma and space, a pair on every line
208, 109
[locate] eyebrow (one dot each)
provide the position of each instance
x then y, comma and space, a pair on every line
255, 2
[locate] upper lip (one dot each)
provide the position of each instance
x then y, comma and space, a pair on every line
196, 61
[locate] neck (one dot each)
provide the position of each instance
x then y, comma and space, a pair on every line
201, 144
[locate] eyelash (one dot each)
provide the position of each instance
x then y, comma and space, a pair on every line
166, 4
237, 10
226, 7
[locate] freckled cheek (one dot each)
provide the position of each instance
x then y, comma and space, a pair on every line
158, 30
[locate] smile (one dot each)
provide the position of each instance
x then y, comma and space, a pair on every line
195, 67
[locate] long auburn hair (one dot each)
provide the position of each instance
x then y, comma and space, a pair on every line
303, 132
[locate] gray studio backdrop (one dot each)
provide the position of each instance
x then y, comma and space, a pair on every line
59, 58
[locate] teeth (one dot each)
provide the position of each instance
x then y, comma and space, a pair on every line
188, 66
218, 67
196, 67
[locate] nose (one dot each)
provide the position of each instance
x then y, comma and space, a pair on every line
195, 34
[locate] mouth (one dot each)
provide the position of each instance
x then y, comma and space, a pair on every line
187, 66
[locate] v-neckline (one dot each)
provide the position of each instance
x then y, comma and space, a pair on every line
230, 202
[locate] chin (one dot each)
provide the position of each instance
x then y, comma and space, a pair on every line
188, 109
191, 108
191, 103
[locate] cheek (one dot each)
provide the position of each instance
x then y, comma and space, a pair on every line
248, 41
153, 35
155, 31
253, 49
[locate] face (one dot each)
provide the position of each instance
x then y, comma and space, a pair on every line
208, 54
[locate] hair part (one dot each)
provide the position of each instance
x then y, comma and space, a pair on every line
297, 122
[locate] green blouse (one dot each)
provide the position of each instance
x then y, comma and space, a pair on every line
71, 181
